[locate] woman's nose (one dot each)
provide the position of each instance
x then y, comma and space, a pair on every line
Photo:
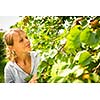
27, 40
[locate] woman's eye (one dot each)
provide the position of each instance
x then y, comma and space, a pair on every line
26, 37
21, 40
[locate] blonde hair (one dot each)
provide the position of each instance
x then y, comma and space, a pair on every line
8, 40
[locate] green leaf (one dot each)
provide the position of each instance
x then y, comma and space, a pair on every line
92, 39
84, 22
54, 70
95, 77
77, 81
73, 39
79, 72
98, 35
50, 61
65, 72
58, 79
28, 78
85, 34
42, 66
85, 58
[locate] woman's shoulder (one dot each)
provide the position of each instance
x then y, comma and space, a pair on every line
9, 64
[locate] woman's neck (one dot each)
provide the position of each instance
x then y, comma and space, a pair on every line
23, 59
24, 62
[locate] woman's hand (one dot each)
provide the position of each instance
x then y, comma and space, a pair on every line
33, 79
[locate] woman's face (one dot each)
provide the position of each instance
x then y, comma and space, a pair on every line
21, 42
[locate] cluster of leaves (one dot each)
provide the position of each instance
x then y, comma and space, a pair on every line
2, 58
69, 47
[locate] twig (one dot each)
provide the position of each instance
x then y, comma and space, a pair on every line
95, 70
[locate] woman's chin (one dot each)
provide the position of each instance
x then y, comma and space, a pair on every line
28, 50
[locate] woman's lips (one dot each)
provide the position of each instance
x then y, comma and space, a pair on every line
28, 45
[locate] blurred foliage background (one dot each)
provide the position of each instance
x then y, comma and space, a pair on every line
69, 47
2, 57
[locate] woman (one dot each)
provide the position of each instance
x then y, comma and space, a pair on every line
23, 62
